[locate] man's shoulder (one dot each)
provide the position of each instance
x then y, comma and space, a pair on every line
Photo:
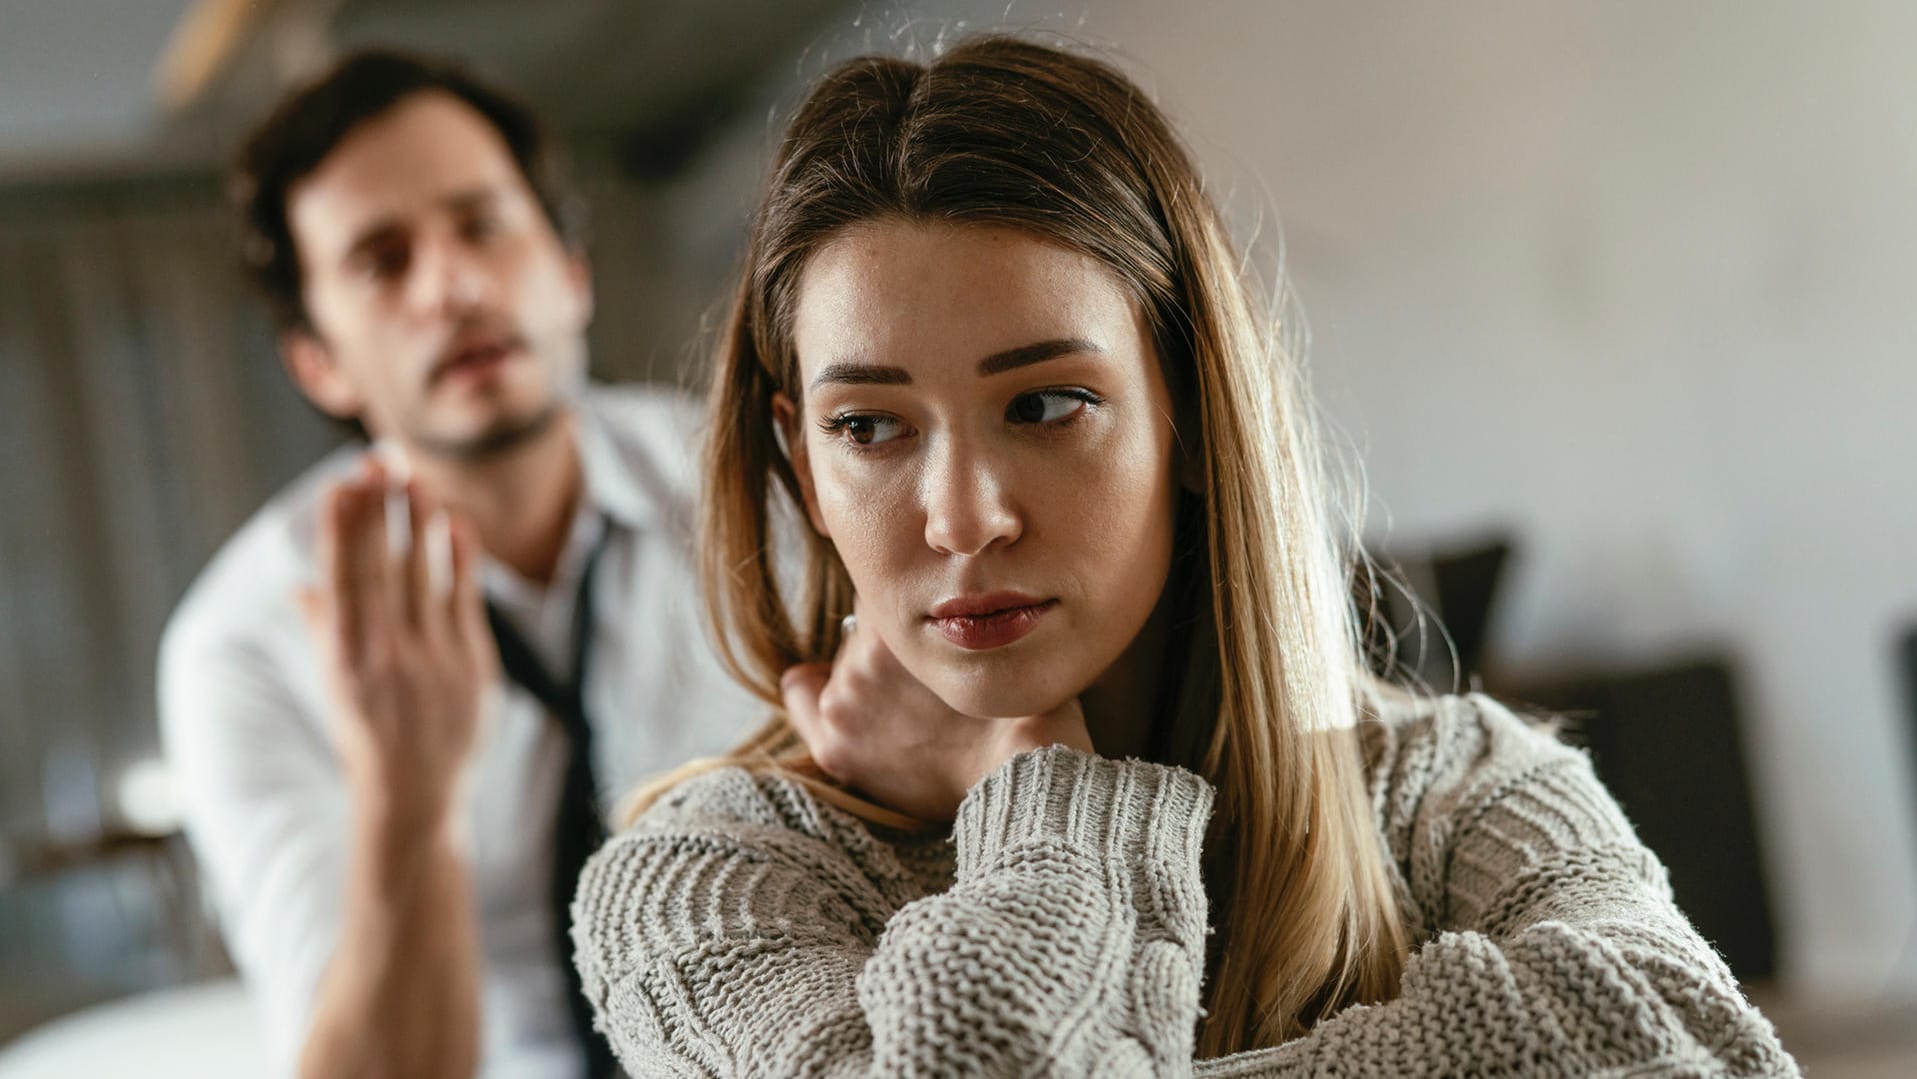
645, 420
648, 437
643, 401
234, 666
246, 588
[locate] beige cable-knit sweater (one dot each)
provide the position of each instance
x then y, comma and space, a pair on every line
742, 927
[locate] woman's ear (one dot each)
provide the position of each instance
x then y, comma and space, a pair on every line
786, 415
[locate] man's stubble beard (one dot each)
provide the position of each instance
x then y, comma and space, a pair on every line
505, 437
509, 432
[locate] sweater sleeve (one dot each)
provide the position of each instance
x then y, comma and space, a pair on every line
743, 929
1561, 951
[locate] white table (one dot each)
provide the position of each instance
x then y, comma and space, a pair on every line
202, 1031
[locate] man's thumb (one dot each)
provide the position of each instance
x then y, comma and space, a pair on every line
311, 607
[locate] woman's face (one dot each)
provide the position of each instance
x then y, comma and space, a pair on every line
986, 437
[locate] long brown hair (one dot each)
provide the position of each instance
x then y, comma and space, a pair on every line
1008, 132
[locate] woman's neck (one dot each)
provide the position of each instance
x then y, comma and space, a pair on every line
520, 502
1121, 708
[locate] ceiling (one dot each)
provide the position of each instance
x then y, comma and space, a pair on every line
77, 77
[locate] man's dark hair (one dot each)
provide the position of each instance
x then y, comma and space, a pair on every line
310, 123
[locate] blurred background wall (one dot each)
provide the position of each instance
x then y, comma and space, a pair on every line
1625, 285
1632, 280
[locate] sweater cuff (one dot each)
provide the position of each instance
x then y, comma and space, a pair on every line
1132, 812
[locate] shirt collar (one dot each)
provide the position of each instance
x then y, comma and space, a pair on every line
612, 486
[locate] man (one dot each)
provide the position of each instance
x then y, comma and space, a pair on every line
392, 841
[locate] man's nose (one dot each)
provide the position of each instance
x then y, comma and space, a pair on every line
969, 504
449, 278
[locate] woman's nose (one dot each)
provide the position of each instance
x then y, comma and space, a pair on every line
968, 504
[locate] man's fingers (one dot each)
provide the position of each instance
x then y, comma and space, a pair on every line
319, 614
310, 601
395, 544
364, 549
339, 529
464, 606
383, 541
419, 604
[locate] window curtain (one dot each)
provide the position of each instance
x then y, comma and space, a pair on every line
143, 416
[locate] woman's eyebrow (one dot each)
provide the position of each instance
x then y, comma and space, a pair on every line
862, 374
873, 374
1025, 355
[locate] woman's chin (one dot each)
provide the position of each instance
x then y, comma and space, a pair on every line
991, 694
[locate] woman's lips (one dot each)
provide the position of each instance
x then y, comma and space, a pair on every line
989, 621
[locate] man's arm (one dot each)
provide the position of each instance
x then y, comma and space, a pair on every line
407, 660
400, 995
342, 896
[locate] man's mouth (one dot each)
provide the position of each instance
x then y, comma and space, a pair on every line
476, 359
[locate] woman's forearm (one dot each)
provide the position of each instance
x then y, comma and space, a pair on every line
1071, 941
1563, 954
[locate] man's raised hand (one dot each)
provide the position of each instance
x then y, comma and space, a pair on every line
401, 631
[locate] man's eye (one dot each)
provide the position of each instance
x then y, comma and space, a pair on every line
384, 264
483, 227
1047, 406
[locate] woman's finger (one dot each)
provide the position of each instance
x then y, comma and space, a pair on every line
866, 658
801, 687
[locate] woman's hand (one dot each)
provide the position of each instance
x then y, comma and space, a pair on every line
877, 729
404, 647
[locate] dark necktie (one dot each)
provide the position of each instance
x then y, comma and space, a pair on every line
579, 830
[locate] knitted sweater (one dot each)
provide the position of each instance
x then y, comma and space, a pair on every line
742, 927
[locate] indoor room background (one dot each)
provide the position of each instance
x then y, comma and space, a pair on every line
1611, 303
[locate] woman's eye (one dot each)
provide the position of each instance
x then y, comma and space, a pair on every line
1046, 406
862, 429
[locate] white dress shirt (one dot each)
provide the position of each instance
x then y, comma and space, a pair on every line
243, 716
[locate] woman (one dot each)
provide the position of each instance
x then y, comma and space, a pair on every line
993, 341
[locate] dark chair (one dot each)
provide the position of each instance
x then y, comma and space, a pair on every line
1666, 742
1456, 587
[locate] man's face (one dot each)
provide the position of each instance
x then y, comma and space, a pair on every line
446, 312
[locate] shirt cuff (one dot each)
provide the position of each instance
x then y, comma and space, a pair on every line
1131, 811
